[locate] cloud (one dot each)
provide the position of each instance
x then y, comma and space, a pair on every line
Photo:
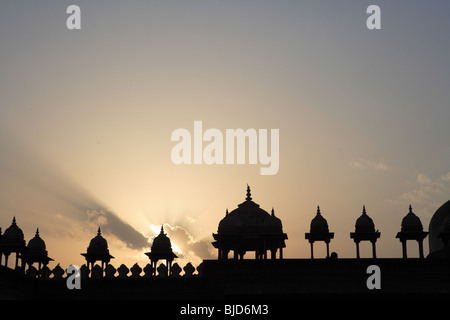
425, 191
374, 165
53, 198
111, 224
423, 179
446, 177
189, 248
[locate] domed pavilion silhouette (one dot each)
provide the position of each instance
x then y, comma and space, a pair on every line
36, 252
97, 251
161, 250
12, 241
412, 229
365, 231
249, 228
319, 232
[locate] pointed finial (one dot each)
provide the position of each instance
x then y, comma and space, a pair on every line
318, 210
226, 212
364, 209
99, 232
162, 229
249, 195
273, 212
14, 220
410, 209
37, 232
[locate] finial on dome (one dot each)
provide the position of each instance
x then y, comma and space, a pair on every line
226, 212
410, 209
14, 220
318, 210
37, 232
99, 232
249, 195
162, 229
364, 209
273, 212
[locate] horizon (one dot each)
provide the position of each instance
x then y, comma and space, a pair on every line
185, 256
87, 116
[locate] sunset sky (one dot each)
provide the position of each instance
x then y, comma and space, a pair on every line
86, 118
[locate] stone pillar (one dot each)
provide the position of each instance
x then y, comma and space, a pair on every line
420, 248
374, 251
404, 254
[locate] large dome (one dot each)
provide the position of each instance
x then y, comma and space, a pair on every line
364, 224
248, 218
437, 225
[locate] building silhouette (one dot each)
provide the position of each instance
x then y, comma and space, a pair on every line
365, 231
319, 232
161, 250
412, 229
36, 252
12, 241
248, 228
97, 251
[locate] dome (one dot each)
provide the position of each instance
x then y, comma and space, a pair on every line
161, 249
364, 224
437, 225
411, 222
13, 235
98, 244
36, 246
249, 218
161, 244
318, 223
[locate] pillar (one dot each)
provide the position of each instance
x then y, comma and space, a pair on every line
404, 254
420, 248
374, 252
328, 248
357, 249
273, 254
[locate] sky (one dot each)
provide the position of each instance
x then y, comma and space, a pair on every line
86, 118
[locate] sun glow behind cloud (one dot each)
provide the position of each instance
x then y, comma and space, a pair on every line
86, 119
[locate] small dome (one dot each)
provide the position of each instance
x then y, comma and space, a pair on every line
36, 246
411, 222
318, 223
161, 244
13, 235
98, 244
364, 223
